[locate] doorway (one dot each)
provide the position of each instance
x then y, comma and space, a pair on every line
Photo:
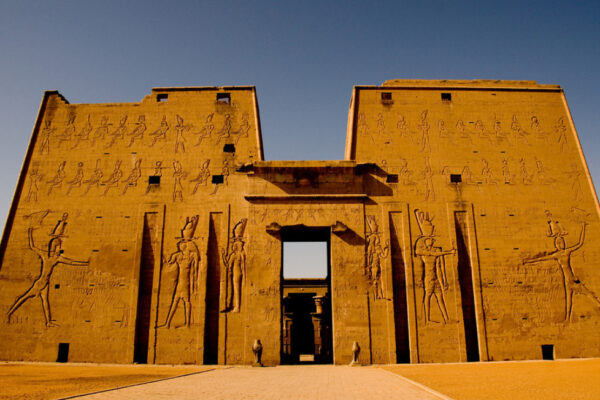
306, 304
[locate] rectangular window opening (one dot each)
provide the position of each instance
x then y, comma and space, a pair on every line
162, 97
386, 98
224, 98
455, 178
392, 178
217, 179
63, 353
154, 180
547, 352
446, 96
229, 148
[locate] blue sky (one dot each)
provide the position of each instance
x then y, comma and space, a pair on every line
303, 57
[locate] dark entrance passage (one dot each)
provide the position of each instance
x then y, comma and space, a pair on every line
142, 323
306, 306
465, 276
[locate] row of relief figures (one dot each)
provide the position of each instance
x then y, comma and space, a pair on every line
180, 271
104, 134
508, 173
99, 182
433, 262
461, 132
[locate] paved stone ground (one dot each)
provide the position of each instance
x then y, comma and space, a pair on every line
283, 382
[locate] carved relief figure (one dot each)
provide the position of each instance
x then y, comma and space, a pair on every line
501, 136
562, 255
101, 131
518, 131
561, 130
119, 133
84, 133
58, 179
202, 178
235, 262
67, 133
435, 282
34, 179
380, 124
363, 128
77, 179
443, 132
114, 178
525, 176
424, 127
178, 175
487, 174
50, 256
243, 129
95, 178
376, 255
575, 176
463, 133
185, 261
206, 130
508, 177
46, 132
133, 177
428, 178
482, 132
541, 173
138, 131
224, 132
536, 128
161, 132
405, 173
179, 129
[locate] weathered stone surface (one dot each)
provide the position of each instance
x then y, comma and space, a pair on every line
463, 225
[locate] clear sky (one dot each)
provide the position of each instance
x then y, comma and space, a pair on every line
303, 57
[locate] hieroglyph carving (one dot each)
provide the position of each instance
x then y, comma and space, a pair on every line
376, 255
562, 255
185, 261
435, 282
50, 257
235, 264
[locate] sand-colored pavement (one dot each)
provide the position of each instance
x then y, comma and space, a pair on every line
516, 380
314, 382
28, 381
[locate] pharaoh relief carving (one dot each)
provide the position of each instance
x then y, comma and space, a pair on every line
206, 130
114, 178
435, 281
34, 180
234, 260
134, 176
243, 129
101, 131
202, 177
50, 255
46, 133
562, 256
119, 133
161, 132
138, 131
180, 128
84, 133
77, 179
95, 178
376, 256
184, 263
68, 132
424, 127
58, 178
178, 176
224, 132
561, 131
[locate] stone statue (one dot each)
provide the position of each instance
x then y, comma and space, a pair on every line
257, 349
355, 354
